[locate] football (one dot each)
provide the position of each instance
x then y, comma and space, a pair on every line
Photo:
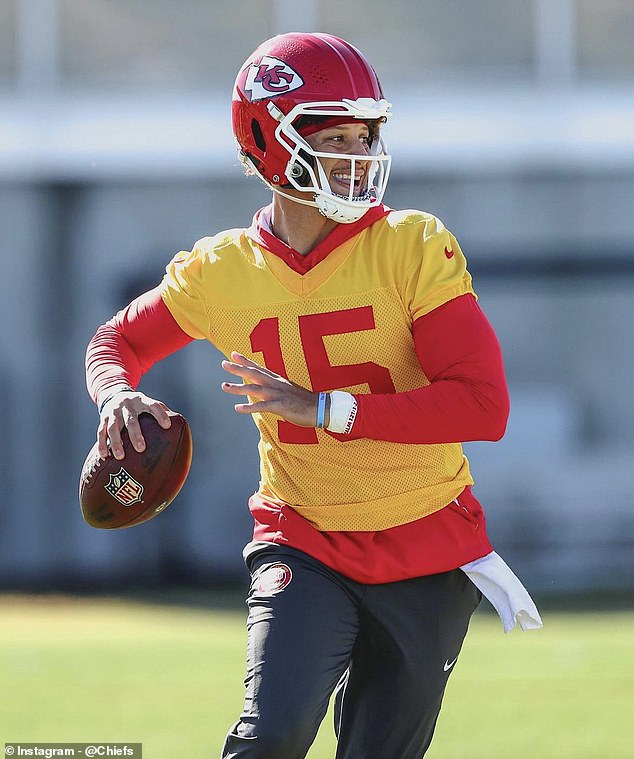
122, 493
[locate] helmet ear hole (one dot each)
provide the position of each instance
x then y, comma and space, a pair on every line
256, 129
300, 173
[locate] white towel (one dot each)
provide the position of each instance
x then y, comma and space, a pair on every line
495, 580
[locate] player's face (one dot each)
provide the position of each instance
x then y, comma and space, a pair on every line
353, 139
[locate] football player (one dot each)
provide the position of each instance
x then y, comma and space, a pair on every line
354, 339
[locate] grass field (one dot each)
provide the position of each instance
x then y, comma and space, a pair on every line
171, 678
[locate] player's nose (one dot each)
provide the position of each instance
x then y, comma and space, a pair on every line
361, 147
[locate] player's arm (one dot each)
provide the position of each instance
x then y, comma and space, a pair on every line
120, 352
467, 398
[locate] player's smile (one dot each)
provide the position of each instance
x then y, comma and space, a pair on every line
350, 139
339, 180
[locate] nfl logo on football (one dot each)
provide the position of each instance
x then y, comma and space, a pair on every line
124, 488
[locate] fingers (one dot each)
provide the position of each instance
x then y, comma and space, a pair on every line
243, 360
247, 369
131, 421
258, 382
237, 369
123, 413
269, 392
253, 390
250, 373
113, 427
161, 413
265, 398
102, 438
257, 407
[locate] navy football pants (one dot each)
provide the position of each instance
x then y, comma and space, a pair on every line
388, 649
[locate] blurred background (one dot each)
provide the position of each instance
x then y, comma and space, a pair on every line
514, 123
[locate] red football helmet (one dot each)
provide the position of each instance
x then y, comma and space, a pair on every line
290, 78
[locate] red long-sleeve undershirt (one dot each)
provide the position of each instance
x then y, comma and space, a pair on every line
126, 347
456, 346
467, 398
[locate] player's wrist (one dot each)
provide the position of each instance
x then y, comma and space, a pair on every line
322, 410
342, 412
109, 393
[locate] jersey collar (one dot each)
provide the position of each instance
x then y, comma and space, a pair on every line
260, 232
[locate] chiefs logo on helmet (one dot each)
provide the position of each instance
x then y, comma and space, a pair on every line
271, 77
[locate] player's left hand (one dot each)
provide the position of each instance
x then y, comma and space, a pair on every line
270, 392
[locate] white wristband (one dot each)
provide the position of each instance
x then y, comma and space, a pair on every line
109, 393
343, 411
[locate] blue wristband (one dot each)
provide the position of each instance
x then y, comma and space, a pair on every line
321, 411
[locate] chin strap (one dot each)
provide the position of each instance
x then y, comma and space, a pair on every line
332, 208
328, 206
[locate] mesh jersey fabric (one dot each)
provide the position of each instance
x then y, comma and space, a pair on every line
345, 324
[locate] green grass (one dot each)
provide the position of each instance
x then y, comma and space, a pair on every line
171, 678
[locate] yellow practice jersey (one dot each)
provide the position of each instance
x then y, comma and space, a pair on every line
346, 324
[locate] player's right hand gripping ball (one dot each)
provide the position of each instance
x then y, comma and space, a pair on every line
121, 493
